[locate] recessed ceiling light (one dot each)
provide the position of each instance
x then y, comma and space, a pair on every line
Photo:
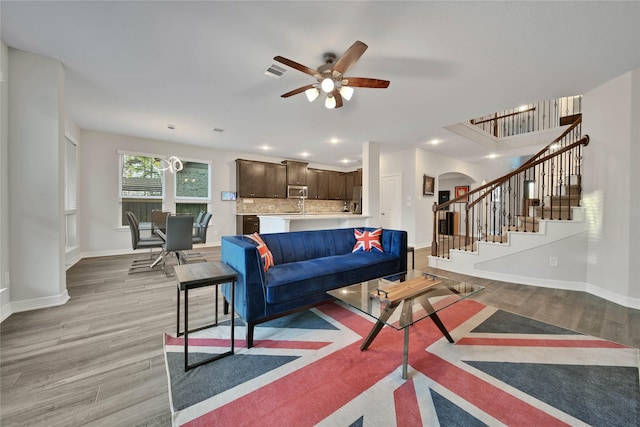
304, 154
435, 141
265, 147
334, 140
493, 156
345, 161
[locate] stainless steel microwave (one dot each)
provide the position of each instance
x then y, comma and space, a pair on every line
297, 191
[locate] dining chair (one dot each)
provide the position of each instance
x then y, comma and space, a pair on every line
199, 236
178, 238
138, 242
159, 220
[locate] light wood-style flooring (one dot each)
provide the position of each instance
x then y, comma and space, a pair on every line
98, 360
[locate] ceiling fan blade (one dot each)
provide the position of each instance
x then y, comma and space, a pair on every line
349, 58
365, 82
298, 67
297, 91
338, 97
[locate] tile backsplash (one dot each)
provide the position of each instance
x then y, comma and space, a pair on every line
261, 205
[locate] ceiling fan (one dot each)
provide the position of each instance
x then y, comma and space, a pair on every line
331, 79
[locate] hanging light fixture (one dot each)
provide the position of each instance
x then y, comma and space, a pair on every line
172, 164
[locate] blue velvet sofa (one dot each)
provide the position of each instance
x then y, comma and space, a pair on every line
307, 265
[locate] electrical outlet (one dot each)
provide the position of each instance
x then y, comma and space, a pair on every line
553, 261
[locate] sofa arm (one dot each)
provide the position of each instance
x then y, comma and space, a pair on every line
395, 243
250, 297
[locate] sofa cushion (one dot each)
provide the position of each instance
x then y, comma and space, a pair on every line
306, 245
263, 250
367, 240
292, 280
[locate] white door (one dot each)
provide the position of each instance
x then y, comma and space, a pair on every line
391, 201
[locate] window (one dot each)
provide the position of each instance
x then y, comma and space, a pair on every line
70, 193
193, 189
141, 189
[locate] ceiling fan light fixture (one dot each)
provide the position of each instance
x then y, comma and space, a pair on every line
346, 92
312, 94
328, 85
330, 102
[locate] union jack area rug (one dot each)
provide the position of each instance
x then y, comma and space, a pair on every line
307, 369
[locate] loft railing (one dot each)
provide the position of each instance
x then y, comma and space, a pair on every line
547, 186
532, 117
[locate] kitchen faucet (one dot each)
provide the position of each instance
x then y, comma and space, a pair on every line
301, 202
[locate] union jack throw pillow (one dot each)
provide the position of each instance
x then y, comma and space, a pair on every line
263, 250
367, 240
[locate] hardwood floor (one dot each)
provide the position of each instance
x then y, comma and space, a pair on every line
98, 359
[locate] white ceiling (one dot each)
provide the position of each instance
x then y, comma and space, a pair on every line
132, 68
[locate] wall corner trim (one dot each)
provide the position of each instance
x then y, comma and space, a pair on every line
38, 303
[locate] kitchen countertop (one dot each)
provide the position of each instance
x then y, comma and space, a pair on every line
289, 215
313, 216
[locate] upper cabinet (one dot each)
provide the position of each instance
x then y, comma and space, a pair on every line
337, 185
250, 178
270, 180
296, 172
275, 181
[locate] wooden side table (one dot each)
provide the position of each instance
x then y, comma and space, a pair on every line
198, 275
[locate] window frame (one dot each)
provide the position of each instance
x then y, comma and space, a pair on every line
183, 199
163, 197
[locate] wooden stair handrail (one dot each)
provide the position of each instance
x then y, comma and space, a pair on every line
473, 122
525, 165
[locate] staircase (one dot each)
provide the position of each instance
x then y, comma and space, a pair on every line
532, 207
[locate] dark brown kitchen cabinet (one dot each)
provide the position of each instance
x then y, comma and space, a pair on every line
275, 181
247, 224
250, 178
312, 183
323, 184
351, 182
296, 172
337, 185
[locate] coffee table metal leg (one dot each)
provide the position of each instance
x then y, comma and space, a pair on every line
405, 353
440, 326
378, 326
434, 316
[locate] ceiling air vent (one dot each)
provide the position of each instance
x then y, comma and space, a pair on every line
275, 71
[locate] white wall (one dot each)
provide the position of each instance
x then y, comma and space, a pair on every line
36, 174
610, 181
412, 164
5, 285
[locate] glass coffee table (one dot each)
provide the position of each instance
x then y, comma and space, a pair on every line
401, 304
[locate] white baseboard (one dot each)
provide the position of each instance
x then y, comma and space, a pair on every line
5, 304
622, 300
38, 303
112, 252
